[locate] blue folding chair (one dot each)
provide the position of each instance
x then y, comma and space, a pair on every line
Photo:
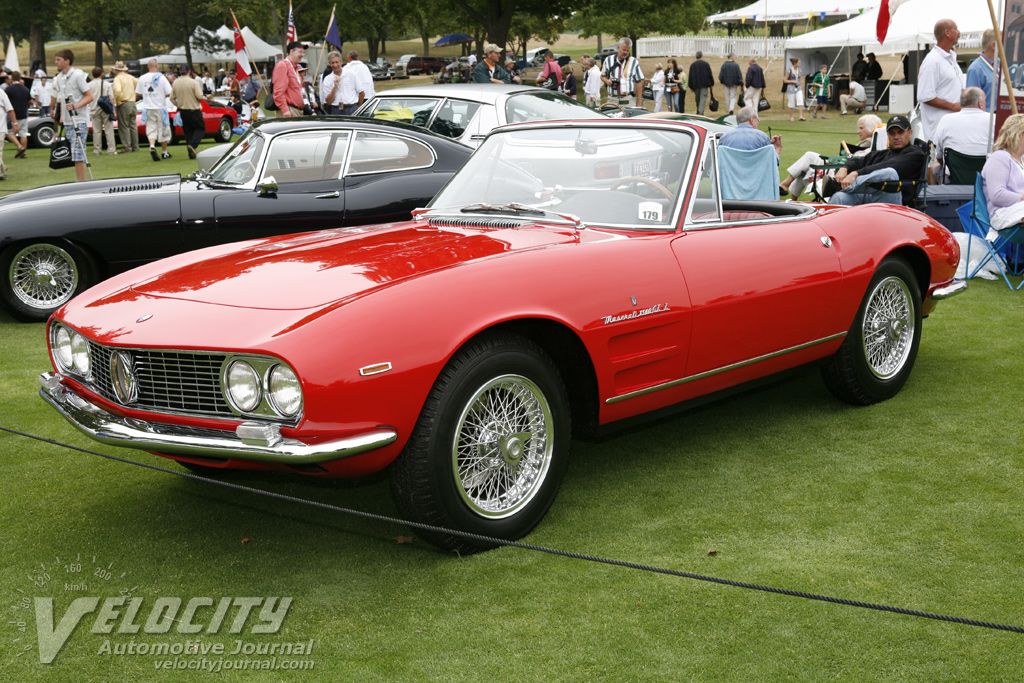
975, 219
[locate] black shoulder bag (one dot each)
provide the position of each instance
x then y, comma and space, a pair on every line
60, 152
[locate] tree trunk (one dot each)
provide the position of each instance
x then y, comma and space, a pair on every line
371, 48
98, 41
36, 44
426, 44
598, 42
185, 30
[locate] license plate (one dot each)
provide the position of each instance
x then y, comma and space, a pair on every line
642, 168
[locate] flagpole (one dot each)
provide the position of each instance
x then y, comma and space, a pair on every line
321, 55
252, 61
1002, 58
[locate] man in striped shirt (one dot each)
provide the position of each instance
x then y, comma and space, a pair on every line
621, 73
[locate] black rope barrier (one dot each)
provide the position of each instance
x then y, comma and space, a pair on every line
538, 548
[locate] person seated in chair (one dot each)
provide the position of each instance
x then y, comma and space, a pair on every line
746, 135
1004, 177
966, 131
902, 160
800, 172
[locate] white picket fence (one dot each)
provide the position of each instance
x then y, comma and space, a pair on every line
711, 46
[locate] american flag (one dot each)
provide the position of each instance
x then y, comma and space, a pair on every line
291, 35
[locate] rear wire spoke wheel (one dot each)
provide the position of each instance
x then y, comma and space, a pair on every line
874, 361
40, 278
491, 445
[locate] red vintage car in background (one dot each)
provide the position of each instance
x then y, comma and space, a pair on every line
220, 121
569, 278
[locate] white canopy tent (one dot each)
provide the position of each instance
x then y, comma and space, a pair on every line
11, 61
912, 26
792, 10
260, 50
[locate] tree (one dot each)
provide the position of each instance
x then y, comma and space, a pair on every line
639, 18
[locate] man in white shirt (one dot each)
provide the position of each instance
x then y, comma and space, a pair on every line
622, 74
155, 89
856, 99
330, 87
966, 131
592, 87
41, 94
356, 86
70, 86
940, 79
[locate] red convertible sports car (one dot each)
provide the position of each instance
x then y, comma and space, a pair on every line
570, 277
219, 122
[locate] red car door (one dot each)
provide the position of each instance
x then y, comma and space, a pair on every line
756, 289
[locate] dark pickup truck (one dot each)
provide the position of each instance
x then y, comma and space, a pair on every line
427, 65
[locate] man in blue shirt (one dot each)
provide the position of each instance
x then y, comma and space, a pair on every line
746, 135
981, 70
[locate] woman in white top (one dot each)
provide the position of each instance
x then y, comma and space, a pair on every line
658, 85
794, 91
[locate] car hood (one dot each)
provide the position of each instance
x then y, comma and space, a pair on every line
70, 191
314, 269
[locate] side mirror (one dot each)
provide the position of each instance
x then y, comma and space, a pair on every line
267, 186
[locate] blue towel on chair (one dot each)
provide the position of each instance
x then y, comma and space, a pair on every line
748, 174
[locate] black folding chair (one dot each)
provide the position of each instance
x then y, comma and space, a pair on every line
962, 168
915, 192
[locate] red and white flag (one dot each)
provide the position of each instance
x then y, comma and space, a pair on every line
290, 34
885, 13
241, 57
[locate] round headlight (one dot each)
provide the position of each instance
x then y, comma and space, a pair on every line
80, 353
285, 390
244, 386
62, 347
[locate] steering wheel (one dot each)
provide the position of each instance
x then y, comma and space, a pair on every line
646, 181
609, 105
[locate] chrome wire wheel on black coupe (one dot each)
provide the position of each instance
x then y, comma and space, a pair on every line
878, 353
491, 445
888, 332
40, 278
503, 446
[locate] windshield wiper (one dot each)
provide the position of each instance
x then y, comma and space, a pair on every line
519, 209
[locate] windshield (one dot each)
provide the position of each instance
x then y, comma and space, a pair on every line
612, 175
242, 161
546, 106
414, 110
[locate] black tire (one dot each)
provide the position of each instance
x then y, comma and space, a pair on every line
875, 359
498, 415
43, 135
224, 130
40, 277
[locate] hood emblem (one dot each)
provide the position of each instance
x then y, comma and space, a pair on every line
144, 318
122, 378
633, 299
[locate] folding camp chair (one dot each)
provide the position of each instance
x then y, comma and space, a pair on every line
748, 174
962, 168
915, 192
975, 219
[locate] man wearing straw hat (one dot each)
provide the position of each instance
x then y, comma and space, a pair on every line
124, 101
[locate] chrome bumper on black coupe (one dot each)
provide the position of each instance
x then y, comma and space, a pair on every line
250, 440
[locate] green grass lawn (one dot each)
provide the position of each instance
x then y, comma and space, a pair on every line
914, 502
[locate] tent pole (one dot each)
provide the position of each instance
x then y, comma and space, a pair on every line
1002, 57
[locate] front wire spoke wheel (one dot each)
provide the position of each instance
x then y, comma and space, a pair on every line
43, 276
889, 327
502, 446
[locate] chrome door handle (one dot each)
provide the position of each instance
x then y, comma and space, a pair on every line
330, 195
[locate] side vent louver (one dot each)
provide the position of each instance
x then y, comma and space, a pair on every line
496, 223
142, 187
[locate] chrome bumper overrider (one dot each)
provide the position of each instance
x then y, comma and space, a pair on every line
250, 441
952, 289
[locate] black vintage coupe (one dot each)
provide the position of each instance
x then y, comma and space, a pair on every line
282, 176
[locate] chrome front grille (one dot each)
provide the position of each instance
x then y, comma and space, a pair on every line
172, 381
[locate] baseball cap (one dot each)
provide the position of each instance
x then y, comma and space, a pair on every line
294, 44
900, 122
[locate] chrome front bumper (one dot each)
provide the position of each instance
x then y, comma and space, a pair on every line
249, 441
952, 289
